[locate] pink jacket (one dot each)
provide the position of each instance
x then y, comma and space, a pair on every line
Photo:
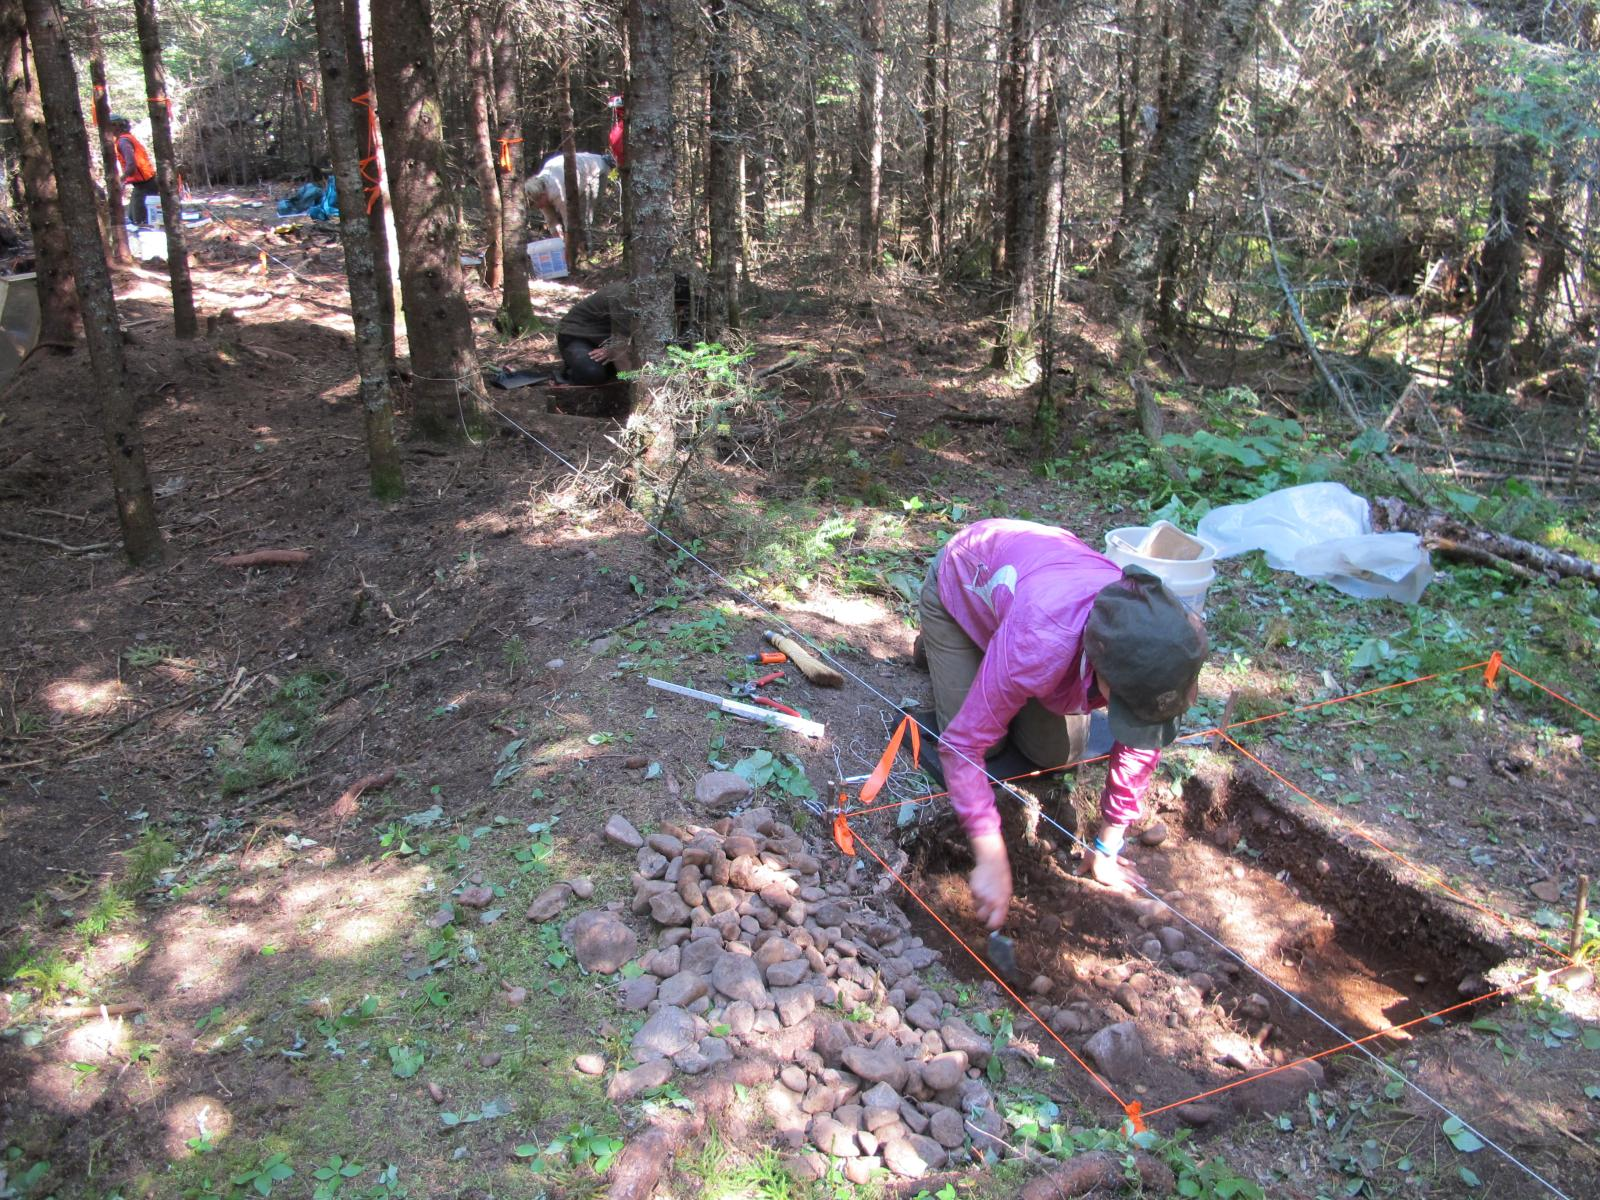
1023, 592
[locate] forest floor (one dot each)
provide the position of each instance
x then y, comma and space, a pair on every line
285, 822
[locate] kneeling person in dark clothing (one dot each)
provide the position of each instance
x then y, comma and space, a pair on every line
596, 334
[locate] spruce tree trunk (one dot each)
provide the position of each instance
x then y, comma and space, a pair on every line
69, 150
652, 172
184, 324
928, 226
808, 203
869, 132
577, 236
1014, 347
379, 212
483, 161
722, 177
1488, 359
116, 218
1222, 30
444, 360
515, 299
373, 344
52, 255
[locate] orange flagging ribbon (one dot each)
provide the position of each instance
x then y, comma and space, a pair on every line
374, 180
1491, 670
505, 153
880, 773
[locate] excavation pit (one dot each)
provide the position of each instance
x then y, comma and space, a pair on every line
1361, 938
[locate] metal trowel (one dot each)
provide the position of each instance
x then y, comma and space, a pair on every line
1003, 956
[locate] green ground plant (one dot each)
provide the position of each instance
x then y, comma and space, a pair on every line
271, 751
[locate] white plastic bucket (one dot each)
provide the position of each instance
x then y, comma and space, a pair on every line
548, 258
1179, 560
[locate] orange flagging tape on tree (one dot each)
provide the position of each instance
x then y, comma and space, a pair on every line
848, 839
505, 152
375, 179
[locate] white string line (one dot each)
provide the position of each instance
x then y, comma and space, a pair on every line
1011, 791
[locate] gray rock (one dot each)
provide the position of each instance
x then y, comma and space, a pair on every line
876, 1064
861, 1170
691, 1061
776, 950
944, 1072
988, 1130
958, 1035
628, 1085
1155, 834
795, 1079
638, 994
945, 1126
1185, 961
719, 791
601, 942
914, 1156
716, 1050
740, 1018
669, 1031
924, 1013
582, 886
475, 897
669, 909
701, 954
1197, 1113
590, 1064
651, 864
1128, 996
738, 978
1281, 1091
881, 1096
666, 962
1117, 1050
1172, 938
833, 1138
683, 989
721, 899
794, 1004
549, 903
913, 1117
788, 974
665, 844
621, 831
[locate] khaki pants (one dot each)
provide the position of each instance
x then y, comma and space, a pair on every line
1044, 737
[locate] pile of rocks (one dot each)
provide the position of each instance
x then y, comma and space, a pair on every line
755, 956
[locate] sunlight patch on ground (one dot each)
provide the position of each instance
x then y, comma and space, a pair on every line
199, 1116
84, 699
842, 610
96, 1041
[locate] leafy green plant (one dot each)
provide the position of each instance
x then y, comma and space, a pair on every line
51, 975
784, 772
25, 1178
265, 1175
152, 853
271, 752
580, 1146
147, 656
332, 1175
109, 910
405, 1061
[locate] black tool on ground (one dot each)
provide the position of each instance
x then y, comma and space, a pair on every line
1003, 956
511, 380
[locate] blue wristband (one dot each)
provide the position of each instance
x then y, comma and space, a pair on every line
1101, 848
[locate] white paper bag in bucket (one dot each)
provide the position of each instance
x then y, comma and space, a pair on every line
1180, 561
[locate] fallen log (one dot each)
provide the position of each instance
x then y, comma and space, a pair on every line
1441, 530
264, 558
1100, 1169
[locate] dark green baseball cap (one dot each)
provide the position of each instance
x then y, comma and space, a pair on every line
1146, 648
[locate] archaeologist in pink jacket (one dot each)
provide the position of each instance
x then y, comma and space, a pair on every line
1026, 630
